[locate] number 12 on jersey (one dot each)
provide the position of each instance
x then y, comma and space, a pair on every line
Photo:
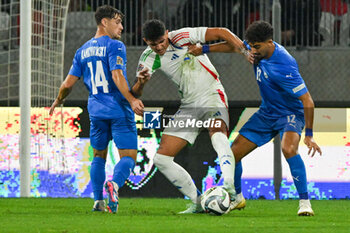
99, 78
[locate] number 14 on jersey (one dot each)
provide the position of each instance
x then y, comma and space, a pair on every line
98, 79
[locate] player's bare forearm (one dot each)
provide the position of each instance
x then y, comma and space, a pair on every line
120, 82
309, 107
213, 34
65, 89
63, 93
137, 89
142, 78
234, 44
122, 85
221, 47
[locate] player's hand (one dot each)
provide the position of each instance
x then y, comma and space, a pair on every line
312, 145
143, 76
195, 49
137, 106
249, 56
54, 105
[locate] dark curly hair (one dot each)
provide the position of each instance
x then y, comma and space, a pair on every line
259, 31
153, 29
107, 12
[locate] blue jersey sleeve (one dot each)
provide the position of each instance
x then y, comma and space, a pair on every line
76, 66
116, 55
287, 77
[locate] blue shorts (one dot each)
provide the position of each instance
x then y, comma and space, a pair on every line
122, 130
260, 129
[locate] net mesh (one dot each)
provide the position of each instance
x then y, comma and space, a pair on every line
48, 30
48, 145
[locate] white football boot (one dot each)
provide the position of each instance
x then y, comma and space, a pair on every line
305, 208
99, 205
238, 204
193, 208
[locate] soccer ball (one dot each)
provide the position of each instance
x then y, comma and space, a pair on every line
215, 200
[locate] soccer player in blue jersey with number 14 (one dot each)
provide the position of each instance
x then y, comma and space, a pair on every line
101, 62
286, 107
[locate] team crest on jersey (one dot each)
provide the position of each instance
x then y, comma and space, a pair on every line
119, 60
140, 67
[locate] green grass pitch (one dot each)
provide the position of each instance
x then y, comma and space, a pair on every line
160, 215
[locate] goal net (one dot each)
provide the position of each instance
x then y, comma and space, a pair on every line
48, 152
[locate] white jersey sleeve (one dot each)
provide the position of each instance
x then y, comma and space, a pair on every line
147, 60
187, 36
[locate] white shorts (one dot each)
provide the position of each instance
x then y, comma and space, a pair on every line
191, 115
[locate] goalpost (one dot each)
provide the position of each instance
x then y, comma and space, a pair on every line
25, 95
42, 32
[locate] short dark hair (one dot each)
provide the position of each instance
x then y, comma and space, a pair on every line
153, 29
259, 31
107, 12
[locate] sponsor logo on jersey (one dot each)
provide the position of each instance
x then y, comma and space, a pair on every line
119, 60
265, 75
175, 56
218, 113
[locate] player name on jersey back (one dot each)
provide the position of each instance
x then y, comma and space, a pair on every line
93, 51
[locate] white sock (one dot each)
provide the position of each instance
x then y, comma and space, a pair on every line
177, 175
222, 147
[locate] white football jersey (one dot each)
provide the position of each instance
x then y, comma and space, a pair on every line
195, 76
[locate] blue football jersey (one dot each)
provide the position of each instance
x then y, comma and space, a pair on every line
280, 84
94, 61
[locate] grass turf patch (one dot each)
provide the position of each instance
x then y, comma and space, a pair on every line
160, 215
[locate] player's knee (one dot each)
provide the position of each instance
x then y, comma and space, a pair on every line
161, 161
289, 150
222, 128
101, 155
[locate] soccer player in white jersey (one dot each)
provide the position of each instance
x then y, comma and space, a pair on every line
199, 86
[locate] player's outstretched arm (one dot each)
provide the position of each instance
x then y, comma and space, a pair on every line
120, 82
142, 78
232, 40
231, 44
65, 89
309, 107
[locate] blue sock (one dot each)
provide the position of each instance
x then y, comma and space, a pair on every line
238, 177
122, 170
298, 171
98, 176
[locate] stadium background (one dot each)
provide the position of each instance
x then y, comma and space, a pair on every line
320, 45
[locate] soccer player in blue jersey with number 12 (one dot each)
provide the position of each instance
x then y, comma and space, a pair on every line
286, 107
101, 61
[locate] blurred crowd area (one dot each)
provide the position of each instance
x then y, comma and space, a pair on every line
316, 33
303, 22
